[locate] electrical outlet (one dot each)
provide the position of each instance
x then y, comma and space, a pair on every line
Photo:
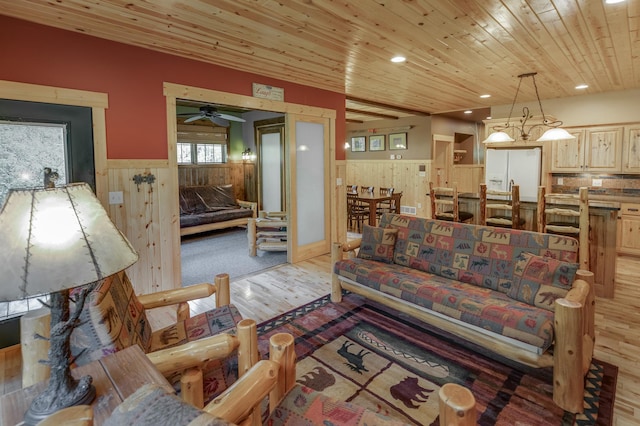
560, 181
116, 197
419, 205
339, 181
392, 157
596, 182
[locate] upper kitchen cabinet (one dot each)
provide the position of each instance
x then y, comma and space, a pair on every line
595, 149
631, 150
568, 155
603, 149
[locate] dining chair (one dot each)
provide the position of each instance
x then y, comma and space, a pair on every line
357, 213
352, 188
569, 215
444, 204
385, 206
505, 204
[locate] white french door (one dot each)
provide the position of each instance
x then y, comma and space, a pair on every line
308, 189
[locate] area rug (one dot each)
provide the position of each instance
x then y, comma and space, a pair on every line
205, 255
371, 355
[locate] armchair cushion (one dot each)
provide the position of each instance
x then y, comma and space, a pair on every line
151, 405
112, 319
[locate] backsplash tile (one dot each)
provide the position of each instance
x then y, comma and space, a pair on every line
611, 184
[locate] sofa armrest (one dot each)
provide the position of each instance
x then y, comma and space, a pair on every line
574, 341
249, 205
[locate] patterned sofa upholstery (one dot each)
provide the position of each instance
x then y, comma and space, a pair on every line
205, 208
496, 287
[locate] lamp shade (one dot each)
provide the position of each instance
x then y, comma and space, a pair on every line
55, 239
498, 137
555, 134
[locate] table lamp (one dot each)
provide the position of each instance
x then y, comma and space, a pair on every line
53, 240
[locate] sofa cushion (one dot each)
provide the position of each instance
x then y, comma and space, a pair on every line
377, 243
199, 199
480, 307
480, 255
304, 406
539, 281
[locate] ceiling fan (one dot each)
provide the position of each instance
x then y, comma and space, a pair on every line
211, 113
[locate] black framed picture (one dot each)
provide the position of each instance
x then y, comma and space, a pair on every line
397, 141
376, 143
358, 144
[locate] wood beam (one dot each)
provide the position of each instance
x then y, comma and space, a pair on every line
349, 120
387, 106
372, 114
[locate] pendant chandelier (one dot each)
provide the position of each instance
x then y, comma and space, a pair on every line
554, 132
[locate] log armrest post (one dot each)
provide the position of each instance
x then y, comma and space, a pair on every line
248, 354
336, 288
457, 406
192, 387
251, 236
282, 351
571, 351
223, 292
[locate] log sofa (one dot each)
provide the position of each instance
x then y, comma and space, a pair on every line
516, 293
211, 207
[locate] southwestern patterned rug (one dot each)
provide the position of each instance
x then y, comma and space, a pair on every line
373, 356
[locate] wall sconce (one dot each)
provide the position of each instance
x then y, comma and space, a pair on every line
554, 132
248, 156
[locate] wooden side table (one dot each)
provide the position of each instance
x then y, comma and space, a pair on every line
115, 377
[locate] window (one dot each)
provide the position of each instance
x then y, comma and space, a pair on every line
201, 145
201, 153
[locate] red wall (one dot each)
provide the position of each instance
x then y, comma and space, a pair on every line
132, 77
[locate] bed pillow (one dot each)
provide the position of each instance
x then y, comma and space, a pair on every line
539, 281
377, 243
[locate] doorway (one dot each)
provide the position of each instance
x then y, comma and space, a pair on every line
442, 160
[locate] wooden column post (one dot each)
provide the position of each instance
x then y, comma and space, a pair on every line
223, 293
457, 406
37, 321
184, 312
568, 378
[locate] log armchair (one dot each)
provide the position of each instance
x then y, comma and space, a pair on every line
198, 352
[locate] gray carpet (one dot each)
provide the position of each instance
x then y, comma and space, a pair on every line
227, 250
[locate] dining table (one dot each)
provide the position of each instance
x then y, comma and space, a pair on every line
373, 200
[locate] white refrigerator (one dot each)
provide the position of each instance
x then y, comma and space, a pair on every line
506, 167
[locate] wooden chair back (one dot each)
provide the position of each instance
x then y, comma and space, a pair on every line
444, 208
511, 203
352, 188
570, 216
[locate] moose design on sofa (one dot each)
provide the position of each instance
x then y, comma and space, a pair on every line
516, 293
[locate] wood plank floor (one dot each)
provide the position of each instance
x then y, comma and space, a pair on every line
285, 287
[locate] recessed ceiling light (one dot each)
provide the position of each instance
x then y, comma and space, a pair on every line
398, 59
613, 1
485, 96
468, 111
488, 118
582, 86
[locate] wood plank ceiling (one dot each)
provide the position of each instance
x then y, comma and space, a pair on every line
456, 50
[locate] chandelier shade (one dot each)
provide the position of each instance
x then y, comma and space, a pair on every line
553, 132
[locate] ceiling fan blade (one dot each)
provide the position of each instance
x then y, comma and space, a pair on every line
219, 121
194, 118
230, 117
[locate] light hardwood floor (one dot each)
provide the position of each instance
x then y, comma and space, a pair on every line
285, 287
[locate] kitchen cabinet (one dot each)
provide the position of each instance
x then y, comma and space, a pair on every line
595, 149
631, 150
628, 241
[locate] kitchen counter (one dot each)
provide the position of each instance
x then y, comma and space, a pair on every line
595, 201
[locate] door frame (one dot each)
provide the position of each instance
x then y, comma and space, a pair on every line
173, 91
262, 127
447, 142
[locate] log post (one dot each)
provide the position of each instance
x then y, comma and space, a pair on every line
336, 288
192, 387
282, 351
223, 293
457, 406
541, 216
568, 380
251, 236
248, 354
34, 349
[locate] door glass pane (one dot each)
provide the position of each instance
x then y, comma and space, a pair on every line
271, 172
310, 182
26, 149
